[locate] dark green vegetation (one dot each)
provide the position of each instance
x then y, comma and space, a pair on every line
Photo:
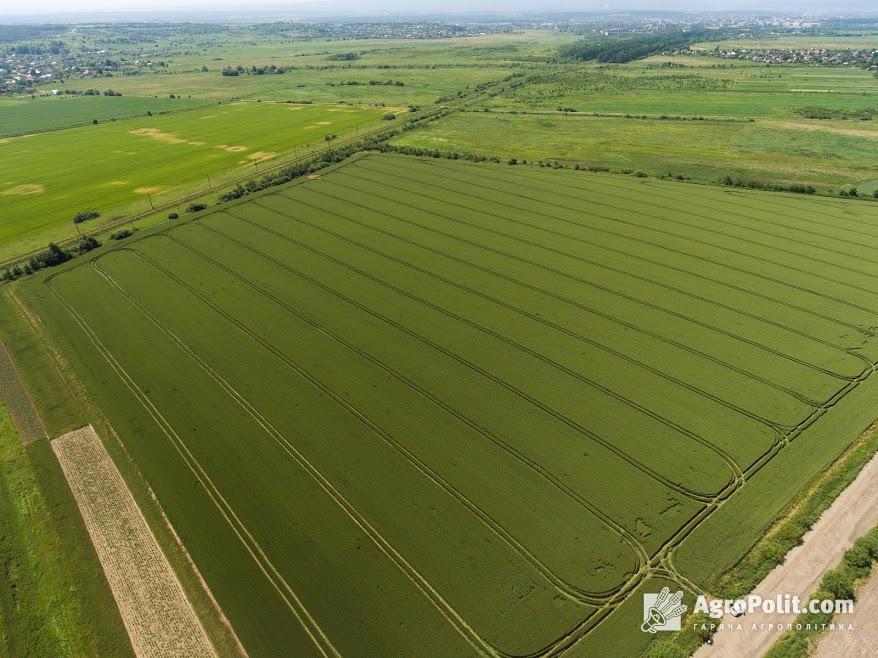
428, 355
632, 48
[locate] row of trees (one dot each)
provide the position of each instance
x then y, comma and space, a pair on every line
50, 257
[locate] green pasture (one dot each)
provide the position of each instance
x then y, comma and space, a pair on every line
829, 155
21, 116
465, 405
117, 167
727, 90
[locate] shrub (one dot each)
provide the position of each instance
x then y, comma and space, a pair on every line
839, 583
85, 245
195, 207
390, 116
85, 215
173, 215
121, 235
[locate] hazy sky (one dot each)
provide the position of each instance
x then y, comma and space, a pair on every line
361, 7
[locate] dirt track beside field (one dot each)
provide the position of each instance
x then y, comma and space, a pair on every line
853, 514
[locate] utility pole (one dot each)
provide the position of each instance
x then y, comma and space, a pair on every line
209, 184
150, 201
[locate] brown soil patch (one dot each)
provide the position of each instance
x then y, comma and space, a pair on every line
157, 615
23, 190
313, 177
159, 136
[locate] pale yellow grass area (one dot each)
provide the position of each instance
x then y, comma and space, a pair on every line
817, 127
148, 190
231, 149
261, 155
159, 135
24, 189
159, 618
196, 143
117, 183
324, 123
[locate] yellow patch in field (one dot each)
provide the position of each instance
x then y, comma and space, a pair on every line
23, 190
159, 136
231, 149
324, 123
295, 107
261, 155
118, 183
147, 190
196, 143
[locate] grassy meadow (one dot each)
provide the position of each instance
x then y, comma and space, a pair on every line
827, 154
163, 156
427, 355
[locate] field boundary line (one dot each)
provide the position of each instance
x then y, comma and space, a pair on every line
472, 637
677, 236
642, 278
586, 433
563, 587
157, 614
549, 293
219, 501
28, 424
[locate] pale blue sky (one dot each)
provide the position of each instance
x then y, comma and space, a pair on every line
361, 7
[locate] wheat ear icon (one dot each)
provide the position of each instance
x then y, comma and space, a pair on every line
666, 606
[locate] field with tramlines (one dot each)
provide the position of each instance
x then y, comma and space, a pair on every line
474, 408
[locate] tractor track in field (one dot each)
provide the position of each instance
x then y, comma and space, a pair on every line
485, 433
472, 366
647, 242
642, 278
456, 620
542, 320
320, 640
562, 586
549, 293
715, 220
553, 363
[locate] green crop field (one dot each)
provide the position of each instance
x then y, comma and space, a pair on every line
134, 162
474, 408
23, 116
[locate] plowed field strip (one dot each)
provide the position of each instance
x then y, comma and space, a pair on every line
158, 617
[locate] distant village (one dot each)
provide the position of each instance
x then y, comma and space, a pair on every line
859, 57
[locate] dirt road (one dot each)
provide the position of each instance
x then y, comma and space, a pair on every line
854, 513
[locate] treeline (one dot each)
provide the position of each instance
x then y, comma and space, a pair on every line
855, 114
798, 188
628, 49
52, 256
268, 69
